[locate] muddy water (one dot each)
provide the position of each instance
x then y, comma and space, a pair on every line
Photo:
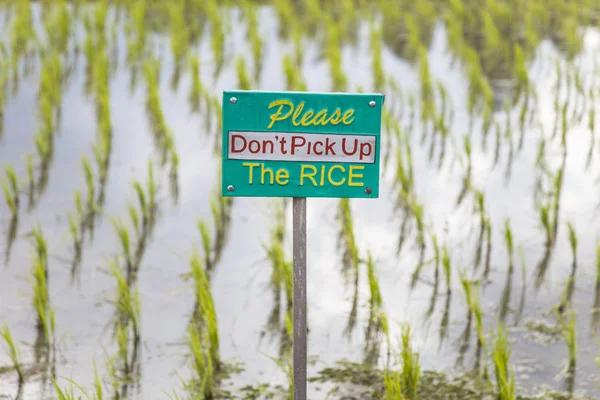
240, 283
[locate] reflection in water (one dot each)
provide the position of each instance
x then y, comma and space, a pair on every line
495, 45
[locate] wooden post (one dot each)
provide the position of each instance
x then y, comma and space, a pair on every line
300, 345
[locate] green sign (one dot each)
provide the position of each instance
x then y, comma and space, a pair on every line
299, 144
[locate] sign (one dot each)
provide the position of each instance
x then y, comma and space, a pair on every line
301, 144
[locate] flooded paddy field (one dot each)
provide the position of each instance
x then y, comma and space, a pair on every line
125, 274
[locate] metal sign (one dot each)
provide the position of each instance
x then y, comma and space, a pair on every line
300, 144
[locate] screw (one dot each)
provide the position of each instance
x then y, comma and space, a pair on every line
372, 103
233, 100
230, 188
368, 190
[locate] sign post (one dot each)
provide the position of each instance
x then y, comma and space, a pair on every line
299, 145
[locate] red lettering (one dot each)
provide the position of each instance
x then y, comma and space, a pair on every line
365, 150
233, 148
294, 145
329, 147
256, 148
353, 150
318, 152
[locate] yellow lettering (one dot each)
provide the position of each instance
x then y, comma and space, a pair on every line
277, 115
264, 170
282, 177
348, 114
320, 118
322, 175
337, 183
297, 113
305, 121
308, 117
250, 165
335, 117
351, 175
309, 176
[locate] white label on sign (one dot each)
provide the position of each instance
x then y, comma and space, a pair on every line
315, 147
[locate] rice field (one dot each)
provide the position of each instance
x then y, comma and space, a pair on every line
125, 274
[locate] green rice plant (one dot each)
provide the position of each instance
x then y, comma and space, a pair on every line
334, 55
293, 78
377, 325
127, 324
13, 353
217, 34
411, 369
21, 36
508, 240
570, 335
256, 42
205, 316
41, 300
203, 381
377, 63
179, 37
570, 286
392, 385
206, 245
243, 78
447, 269
347, 241
285, 365
480, 206
481, 342
505, 378
11, 190
197, 90
30, 177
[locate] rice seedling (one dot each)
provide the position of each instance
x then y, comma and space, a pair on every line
205, 316
10, 187
286, 367
127, 327
377, 63
38, 279
256, 42
549, 220
436, 275
465, 337
347, 241
243, 78
203, 382
447, 269
481, 350
570, 286
505, 378
154, 108
377, 325
179, 39
281, 281
293, 78
22, 37
15, 356
411, 369
197, 90
392, 385
506, 292
480, 207
217, 35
